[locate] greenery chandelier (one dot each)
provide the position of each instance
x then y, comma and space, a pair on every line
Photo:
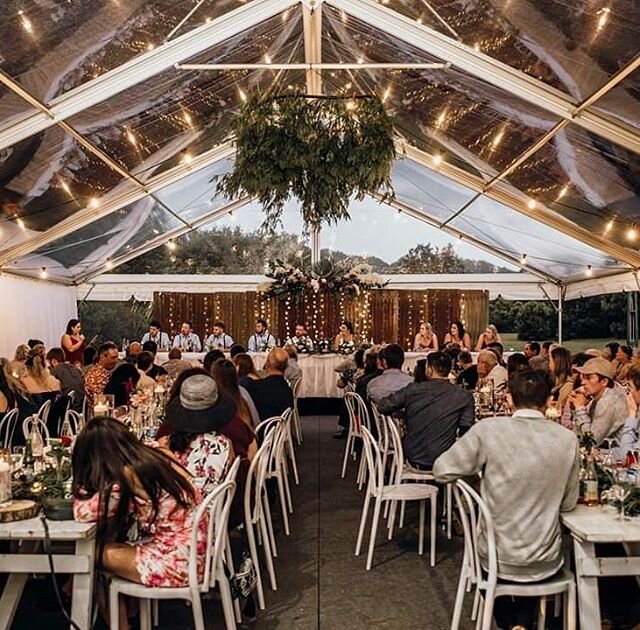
321, 150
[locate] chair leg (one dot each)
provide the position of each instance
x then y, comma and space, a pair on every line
253, 551
196, 610
392, 517
449, 501
266, 512
287, 489
571, 607
347, 447
460, 592
542, 612
155, 612
363, 521
402, 508
487, 610
362, 472
432, 542
114, 608
292, 457
227, 601
145, 614
229, 560
421, 528
268, 553
374, 531
283, 503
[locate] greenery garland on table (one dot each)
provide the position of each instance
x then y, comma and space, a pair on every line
323, 151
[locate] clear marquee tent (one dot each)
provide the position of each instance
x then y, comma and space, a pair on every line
518, 134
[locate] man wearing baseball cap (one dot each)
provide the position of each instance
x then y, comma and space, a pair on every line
599, 405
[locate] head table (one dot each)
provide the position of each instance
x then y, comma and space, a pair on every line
319, 374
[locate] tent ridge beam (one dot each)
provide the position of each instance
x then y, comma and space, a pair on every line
314, 66
141, 68
487, 69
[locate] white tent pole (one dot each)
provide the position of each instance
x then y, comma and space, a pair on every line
210, 217
488, 69
506, 195
560, 311
115, 202
142, 68
312, 66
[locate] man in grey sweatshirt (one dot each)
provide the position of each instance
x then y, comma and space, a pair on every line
529, 469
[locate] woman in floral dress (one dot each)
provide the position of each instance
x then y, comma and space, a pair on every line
137, 493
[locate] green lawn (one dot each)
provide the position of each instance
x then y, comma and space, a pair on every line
511, 342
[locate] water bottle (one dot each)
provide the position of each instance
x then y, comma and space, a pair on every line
37, 447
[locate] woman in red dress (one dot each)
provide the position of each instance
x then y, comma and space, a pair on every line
72, 343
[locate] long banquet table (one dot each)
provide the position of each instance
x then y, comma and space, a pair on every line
319, 374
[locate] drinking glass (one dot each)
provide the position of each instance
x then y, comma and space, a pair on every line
5, 476
621, 490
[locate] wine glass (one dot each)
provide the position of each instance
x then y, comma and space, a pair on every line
620, 491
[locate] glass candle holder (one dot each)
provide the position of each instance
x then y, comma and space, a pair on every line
5, 476
103, 405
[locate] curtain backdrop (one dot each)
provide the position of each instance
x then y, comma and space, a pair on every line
33, 309
384, 315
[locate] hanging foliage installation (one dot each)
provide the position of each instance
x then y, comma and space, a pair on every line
323, 151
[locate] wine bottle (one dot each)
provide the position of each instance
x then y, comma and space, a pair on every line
591, 484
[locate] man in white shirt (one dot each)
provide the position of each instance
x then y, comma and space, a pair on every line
262, 340
219, 339
391, 358
161, 339
488, 367
187, 340
301, 340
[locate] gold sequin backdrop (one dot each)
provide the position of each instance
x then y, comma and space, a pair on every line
384, 315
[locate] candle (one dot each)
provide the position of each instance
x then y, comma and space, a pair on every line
100, 409
5, 482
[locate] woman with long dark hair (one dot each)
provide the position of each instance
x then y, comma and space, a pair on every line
117, 481
122, 383
246, 370
560, 369
458, 335
73, 343
225, 375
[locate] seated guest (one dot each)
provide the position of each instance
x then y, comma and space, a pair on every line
32, 343
435, 412
69, 375
629, 435
293, 368
195, 416
611, 351
458, 336
175, 364
420, 371
187, 340
219, 338
498, 349
392, 378
345, 339
211, 357
156, 371
351, 369
161, 339
594, 352
371, 370
490, 335
12, 392
516, 363
525, 501
532, 351
560, 372
425, 338
123, 382
73, 343
132, 352
301, 340
468, 378
145, 363
19, 357
262, 340
236, 349
117, 481
577, 360
97, 377
225, 375
36, 377
623, 360
545, 349
247, 374
272, 394
488, 368
599, 405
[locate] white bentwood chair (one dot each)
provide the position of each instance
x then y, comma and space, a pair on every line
295, 384
475, 518
8, 427
394, 491
216, 505
358, 418
35, 423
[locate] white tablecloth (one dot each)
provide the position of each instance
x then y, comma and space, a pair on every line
319, 374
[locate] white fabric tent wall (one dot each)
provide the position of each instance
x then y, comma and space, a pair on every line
33, 309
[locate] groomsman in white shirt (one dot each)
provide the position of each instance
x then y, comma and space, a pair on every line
219, 339
262, 340
187, 340
160, 338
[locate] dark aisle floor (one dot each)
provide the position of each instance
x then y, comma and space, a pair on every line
321, 584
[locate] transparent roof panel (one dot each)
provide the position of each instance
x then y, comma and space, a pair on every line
623, 101
546, 249
52, 46
586, 179
155, 122
132, 227
573, 45
49, 177
442, 108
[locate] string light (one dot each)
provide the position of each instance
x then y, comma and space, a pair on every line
603, 19
21, 224
523, 260
109, 263
562, 192
171, 246
242, 95
386, 94
437, 159
351, 105
150, 46
267, 59
65, 187
43, 273
187, 158
26, 22
441, 119
632, 233
608, 227
497, 139
131, 138
531, 204
589, 271
187, 118
94, 202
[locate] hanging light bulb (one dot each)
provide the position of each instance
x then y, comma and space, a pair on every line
26, 22
21, 224
589, 271
187, 158
608, 227
94, 202
437, 159
563, 192
603, 18
171, 246
109, 263
267, 59
351, 105
43, 273
632, 233
386, 94
523, 260
242, 95
531, 204
131, 138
